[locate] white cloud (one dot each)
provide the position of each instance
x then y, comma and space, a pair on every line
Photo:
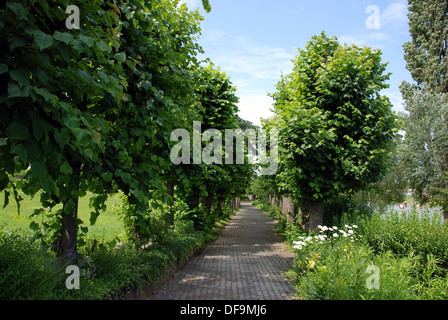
373, 39
395, 15
349, 40
254, 68
236, 54
254, 107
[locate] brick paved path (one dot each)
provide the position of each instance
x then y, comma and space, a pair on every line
247, 262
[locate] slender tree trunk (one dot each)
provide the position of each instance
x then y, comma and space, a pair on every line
69, 240
69, 231
314, 214
208, 203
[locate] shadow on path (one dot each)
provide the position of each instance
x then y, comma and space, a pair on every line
247, 262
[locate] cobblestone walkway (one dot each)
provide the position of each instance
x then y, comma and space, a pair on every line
247, 262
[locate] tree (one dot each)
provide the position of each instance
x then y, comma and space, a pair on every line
426, 142
51, 78
87, 109
205, 185
426, 53
425, 150
336, 130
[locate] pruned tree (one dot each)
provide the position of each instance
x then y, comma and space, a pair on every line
336, 129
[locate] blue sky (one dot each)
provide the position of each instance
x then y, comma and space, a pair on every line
253, 41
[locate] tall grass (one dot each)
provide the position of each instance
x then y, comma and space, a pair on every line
408, 232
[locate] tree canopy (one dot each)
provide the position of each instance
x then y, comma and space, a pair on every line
336, 129
91, 109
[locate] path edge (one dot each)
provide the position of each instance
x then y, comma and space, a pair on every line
149, 291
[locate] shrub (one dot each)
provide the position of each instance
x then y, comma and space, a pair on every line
408, 232
344, 210
334, 265
27, 271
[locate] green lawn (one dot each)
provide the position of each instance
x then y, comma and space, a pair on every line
107, 227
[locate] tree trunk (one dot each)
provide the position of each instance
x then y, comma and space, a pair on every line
69, 240
208, 203
313, 213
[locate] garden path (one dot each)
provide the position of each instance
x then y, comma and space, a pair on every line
247, 262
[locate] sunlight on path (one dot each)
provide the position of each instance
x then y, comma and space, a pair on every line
247, 262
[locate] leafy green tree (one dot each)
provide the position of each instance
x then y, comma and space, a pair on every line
336, 130
426, 54
51, 79
161, 69
87, 109
426, 142
207, 185
426, 123
392, 188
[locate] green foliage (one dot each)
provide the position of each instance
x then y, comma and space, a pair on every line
407, 232
407, 249
344, 210
208, 188
425, 152
426, 53
151, 225
206, 5
107, 270
340, 274
336, 130
425, 145
104, 99
334, 265
28, 272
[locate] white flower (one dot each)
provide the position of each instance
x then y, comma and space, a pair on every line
355, 226
299, 247
335, 228
350, 231
335, 235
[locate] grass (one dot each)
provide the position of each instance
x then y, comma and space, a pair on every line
107, 227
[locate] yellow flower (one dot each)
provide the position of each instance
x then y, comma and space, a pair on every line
311, 264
